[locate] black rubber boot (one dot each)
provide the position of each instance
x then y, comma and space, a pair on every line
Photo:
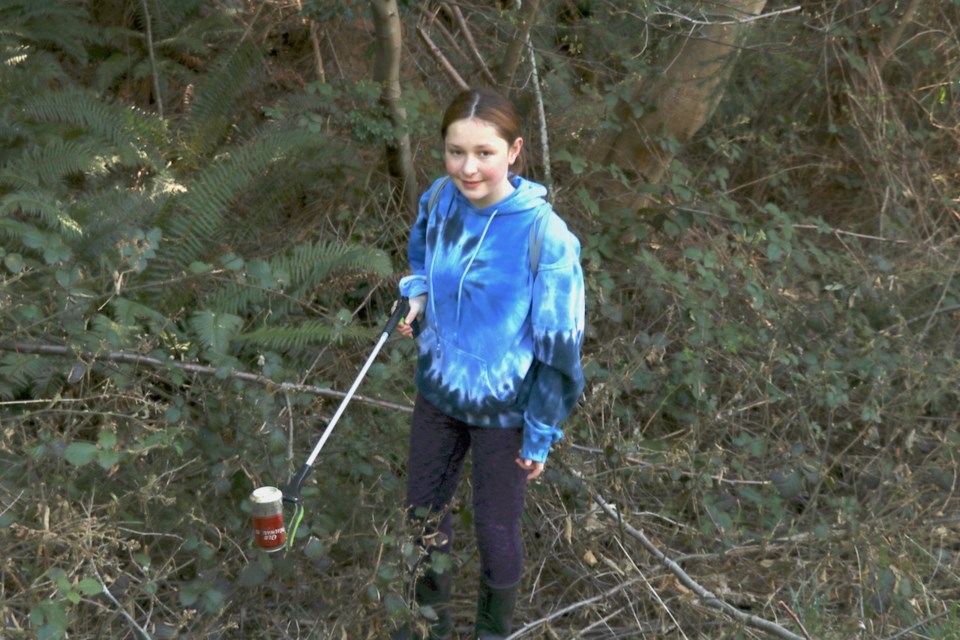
495, 607
431, 589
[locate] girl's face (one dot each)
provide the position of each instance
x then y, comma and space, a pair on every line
478, 159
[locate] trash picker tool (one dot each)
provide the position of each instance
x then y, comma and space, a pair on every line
266, 502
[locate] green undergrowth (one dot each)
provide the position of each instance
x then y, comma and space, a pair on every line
770, 354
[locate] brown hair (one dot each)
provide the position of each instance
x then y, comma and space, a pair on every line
491, 107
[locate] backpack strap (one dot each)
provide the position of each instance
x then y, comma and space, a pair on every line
435, 196
537, 231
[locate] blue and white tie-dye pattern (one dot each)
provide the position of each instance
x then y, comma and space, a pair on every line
498, 349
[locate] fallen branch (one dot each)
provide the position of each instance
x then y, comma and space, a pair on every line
123, 612
137, 359
707, 598
530, 626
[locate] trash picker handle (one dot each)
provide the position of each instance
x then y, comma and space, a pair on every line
291, 492
403, 306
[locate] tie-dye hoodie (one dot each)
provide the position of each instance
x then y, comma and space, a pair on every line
498, 349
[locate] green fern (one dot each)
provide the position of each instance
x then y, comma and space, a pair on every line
306, 334
51, 24
214, 330
133, 135
19, 371
294, 274
210, 118
204, 217
48, 165
39, 204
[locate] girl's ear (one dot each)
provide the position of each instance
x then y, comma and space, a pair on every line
514, 150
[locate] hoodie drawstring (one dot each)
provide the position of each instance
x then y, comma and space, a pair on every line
466, 269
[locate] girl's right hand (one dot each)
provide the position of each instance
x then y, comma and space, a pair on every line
417, 304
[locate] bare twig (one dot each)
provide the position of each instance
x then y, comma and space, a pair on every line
441, 59
439, 26
921, 623
796, 619
542, 115
153, 59
730, 20
123, 612
317, 55
457, 15
943, 295
707, 598
530, 626
136, 358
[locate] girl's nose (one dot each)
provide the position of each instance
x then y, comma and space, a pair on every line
469, 166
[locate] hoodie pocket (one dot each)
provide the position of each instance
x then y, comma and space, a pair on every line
462, 375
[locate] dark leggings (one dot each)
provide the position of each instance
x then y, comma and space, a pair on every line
438, 447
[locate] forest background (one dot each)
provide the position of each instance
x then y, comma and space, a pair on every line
204, 208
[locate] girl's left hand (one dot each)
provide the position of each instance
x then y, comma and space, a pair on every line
535, 468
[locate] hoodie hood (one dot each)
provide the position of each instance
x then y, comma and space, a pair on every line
526, 196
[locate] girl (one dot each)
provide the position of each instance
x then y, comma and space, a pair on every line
498, 335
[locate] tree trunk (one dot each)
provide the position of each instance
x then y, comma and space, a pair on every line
677, 104
386, 71
514, 54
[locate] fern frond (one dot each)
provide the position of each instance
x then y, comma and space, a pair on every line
23, 76
209, 118
205, 206
311, 264
214, 330
135, 135
58, 24
18, 371
47, 165
294, 274
42, 205
130, 313
307, 334
108, 216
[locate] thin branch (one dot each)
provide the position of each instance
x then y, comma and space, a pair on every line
317, 54
153, 59
530, 626
731, 20
455, 12
441, 59
922, 623
137, 359
943, 295
439, 26
123, 612
707, 598
796, 619
542, 115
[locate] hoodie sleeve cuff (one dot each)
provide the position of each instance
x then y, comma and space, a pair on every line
537, 440
413, 286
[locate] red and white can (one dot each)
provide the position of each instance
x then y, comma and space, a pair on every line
268, 530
